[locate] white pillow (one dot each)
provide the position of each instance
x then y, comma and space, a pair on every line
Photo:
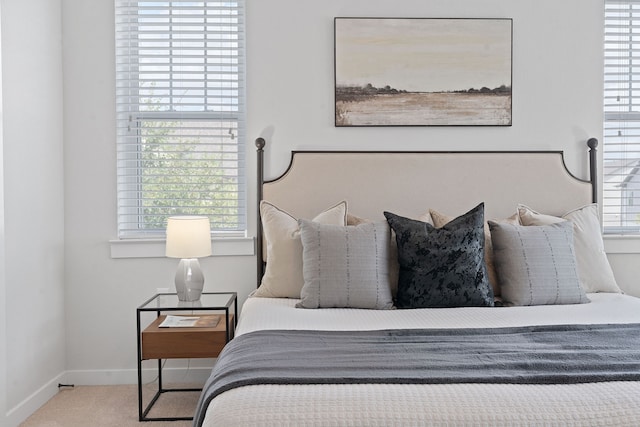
283, 274
594, 269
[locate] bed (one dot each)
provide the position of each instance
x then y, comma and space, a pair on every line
522, 323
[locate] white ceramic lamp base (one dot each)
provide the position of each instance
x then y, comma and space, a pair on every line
189, 280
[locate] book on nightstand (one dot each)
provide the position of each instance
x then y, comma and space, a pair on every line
190, 322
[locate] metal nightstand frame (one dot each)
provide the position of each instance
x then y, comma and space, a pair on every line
181, 306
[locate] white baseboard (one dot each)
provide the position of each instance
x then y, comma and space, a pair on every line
28, 406
176, 375
192, 375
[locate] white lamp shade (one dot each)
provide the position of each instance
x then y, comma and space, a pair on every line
188, 237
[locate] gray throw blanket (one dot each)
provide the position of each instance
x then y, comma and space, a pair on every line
563, 354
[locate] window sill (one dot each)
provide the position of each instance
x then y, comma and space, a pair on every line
155, 248
618, 244
244, 246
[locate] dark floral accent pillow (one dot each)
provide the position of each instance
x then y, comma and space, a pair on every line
442, 267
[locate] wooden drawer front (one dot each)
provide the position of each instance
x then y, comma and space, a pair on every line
175, 343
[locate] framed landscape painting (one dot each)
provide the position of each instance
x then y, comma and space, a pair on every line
423, 72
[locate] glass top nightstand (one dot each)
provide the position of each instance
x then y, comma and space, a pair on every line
208, 301
155, 342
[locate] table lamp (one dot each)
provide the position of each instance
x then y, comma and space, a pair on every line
188, 238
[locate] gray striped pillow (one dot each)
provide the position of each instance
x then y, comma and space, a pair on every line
536, 265
345, 266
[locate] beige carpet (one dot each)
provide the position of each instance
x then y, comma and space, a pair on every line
106, 406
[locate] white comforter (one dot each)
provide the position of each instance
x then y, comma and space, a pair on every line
610, 403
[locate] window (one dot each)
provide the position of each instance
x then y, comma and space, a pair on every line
621, 200
180, 114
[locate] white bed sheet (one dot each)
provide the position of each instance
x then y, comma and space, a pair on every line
609, 403
280, 313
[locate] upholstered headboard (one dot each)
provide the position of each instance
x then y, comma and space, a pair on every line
410, 183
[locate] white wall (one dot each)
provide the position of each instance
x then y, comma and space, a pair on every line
3, 282
556, 77
33, 276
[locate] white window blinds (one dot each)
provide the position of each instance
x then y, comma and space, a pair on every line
180, 114
621, 186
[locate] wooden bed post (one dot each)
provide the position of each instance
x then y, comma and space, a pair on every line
260, 143
593, 168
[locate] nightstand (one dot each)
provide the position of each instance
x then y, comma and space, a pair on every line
155, 342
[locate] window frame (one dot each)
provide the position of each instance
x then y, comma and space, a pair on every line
131, 153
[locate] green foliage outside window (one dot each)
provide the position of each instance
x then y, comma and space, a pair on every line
186, 170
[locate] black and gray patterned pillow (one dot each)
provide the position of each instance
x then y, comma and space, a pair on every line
442, 267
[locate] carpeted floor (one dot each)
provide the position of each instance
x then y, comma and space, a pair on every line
107, 406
